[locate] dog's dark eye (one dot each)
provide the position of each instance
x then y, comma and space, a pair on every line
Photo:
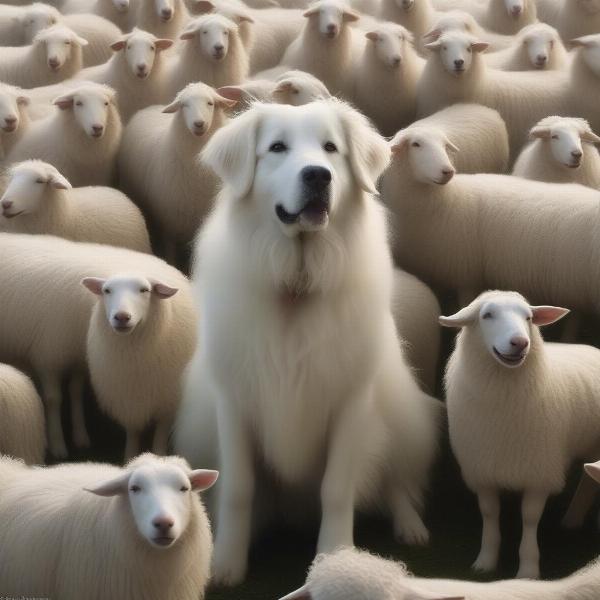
330, 147
416, 145
277, 147
488, 315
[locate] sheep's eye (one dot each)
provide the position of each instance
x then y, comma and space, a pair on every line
211, 103
53, 21
144, 290
226, 32
184, 488
555, 137
487, 315
469, 50
205, 32
135, 489
330, 147
444, 47
67, 43
416, 145
278, 147
295, 91
528, 319
40, 181
106, 103
107, 291
152, 48
79, 103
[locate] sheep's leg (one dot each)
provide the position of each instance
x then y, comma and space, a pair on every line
338, 488
81, 439
581, 503
408, 524
489, 505
571, 329
133, 444
237, 482
532, 509
162, 432
51, 392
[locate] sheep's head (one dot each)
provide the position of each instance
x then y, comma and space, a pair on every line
407, 5
245, 94
38, 17
390, 42
453, 20
91, 105
539, 41
236, 12
330, 16
140, 49
212, 33
161, 495
298, 88
591, 7
505, 321
121, 6
128, 299
566, 137
61, 45
590, 48
12, 102
514, 8
455, 51
425, 150
197, 103
165, 10
28, 183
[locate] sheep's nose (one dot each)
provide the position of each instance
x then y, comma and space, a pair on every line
332, 28
53, 62
316, 178
219, 47
519, 342
166, 13
163, 524
459, 62
97, 129
6, 204
516, 11
122, 317
396, 60
577, 154
141, 67
198, 124
541, 59
10, 120
448, 171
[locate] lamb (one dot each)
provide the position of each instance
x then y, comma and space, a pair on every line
145, 524
14, 117
39, 200
574, 18
248, 92
135, 384
163, 18
562, 150
175, 193
137, 71
298, 87
46, 314
584, 82
478, 132
20, 24
54, 55
390, 65
22, 426
325, 47
478, 243
354, 575
120, 12
81, 139
213, 53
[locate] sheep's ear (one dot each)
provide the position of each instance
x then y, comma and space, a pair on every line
202, 479
312, 11
582, 42
432, 34
301, 594
479, 46
540, 133
59, 182
593, 470
94, 284
465, 316
162, 290
203, 6
190, 32
373, 36
399, 143
231, 92
112, 487
23, 100
433, 46
350, 16
173, 107
224, 102
231, 153
163, 44
242, 17
64, 102
545, 315
118, 45
450, 146
283, 87
590, 137
81, 41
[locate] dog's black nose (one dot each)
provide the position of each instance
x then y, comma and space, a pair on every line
316, 178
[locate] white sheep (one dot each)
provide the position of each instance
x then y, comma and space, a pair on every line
163, 18
573, 18
120, 12
584, 83
298, 87
536, 46
137, 71
520, 411
135, 383
212, 53
474, 240
37, 199
386, 76
350, 574
20, 24
326, 46
81, 139
54, 55
248, 92
562, 150
477, 133
133, 533
158, 163
22, 425
46, 314
14, 117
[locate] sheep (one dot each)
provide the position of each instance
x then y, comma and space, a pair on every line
479, 133
132, 533
474, 239
14, 117
248, 92
20, 24
135, 384
212, 53
325, 47
81, 139
137, 71
54, 55
386, 77
575, 18
120, 12
562, 150
520, 411
350, 574
22, 426
584, 83
46, 314
163, 18
298, 87
177, 193
38, 199
536, 46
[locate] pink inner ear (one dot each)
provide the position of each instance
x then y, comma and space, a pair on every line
64, 103
93, 284
202, 479
118, 45
230, 92
544, 315
163, 291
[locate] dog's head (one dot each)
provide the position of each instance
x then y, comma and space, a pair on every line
299, 164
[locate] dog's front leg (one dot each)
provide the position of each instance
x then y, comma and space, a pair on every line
235, 499
344, 462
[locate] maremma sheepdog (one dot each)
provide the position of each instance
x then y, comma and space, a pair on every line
299, 368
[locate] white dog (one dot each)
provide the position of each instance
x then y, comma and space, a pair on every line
299, 360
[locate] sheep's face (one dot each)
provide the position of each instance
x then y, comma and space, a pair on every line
591, 7
140, 49
406, 5
121, 6
389, 45
590, 47
514, 8
38, 17
329, 17
298, 89
165, 9
61, 44
11, 104
426, 151
27, 187
91, 109
128, 299
539, 45
161, 498
455, 51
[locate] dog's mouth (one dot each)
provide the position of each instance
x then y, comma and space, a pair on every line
315, 212
10, 215
510, 360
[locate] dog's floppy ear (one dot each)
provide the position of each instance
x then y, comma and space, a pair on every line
369, 152
231, 152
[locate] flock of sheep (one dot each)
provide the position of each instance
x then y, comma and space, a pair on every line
320, 170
